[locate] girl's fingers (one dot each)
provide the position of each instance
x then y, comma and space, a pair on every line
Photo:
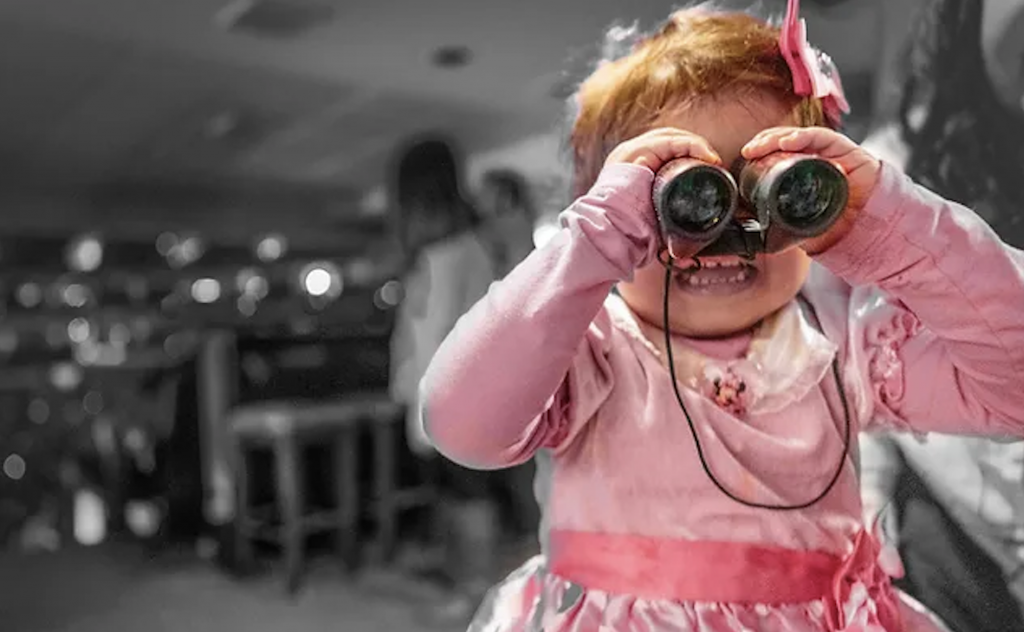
824, 142
659, 146
766, 142
692, 146
815, 140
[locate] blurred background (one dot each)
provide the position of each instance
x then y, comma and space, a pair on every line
200, 273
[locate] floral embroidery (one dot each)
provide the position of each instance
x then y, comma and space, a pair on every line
727, 389
883, 341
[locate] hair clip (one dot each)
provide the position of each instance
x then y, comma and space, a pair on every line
814, 72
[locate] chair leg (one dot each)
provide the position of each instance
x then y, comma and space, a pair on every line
243, 550
290, 499
384, 490
346, 486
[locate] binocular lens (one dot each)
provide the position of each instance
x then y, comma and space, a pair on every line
698, 200
809, 192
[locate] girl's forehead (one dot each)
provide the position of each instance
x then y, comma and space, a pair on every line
729, 125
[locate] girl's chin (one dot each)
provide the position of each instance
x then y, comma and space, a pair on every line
711, 333
715, 320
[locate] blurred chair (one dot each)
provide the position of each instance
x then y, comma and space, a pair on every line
287, 428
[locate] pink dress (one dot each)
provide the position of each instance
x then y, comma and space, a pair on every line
920, 305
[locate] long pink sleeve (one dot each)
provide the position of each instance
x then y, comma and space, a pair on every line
943, 344
509, 360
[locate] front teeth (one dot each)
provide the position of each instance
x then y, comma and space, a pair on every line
712, 263
698, 280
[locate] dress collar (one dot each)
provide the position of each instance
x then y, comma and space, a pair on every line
786, 358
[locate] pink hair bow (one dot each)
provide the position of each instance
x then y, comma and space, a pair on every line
814, 73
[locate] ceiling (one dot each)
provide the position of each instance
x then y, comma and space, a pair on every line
135, 116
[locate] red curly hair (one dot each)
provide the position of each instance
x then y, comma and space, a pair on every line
697, 53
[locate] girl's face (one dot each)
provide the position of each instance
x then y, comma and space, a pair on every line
727, 296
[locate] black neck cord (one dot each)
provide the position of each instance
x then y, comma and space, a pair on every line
693, 428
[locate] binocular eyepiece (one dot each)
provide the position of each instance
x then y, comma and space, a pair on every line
780, 199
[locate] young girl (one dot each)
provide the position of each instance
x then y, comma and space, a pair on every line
728, 499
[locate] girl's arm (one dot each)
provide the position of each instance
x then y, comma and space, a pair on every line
526, 366
942, 344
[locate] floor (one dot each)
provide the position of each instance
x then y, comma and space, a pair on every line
117, 588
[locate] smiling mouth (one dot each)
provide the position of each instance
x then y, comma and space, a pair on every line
716, 275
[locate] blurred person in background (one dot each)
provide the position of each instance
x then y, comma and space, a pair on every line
510, 217
448, 268
957, 504
959, 126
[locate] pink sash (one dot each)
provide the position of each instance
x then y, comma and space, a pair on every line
724, 572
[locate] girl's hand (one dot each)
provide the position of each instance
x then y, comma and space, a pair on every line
655, 148
861, 168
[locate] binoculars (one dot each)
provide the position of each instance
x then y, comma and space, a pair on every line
779, 200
